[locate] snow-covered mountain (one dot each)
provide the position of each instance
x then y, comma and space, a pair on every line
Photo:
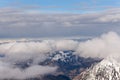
23, 54
107, 69
68, 63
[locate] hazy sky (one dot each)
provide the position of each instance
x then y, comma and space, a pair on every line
72, 6
58, 18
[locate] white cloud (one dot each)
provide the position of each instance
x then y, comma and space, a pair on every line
8, 71
107, 44
16, 52
38, 51
103, 46
18, 23
110, 18
66, 45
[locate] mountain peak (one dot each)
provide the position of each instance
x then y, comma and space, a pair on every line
107, 69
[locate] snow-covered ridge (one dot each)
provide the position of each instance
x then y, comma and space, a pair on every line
107, 69
61, 55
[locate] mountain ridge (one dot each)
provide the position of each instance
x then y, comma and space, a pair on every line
107, 69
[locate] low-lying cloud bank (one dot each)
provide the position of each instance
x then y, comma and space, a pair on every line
8, 71
15, 52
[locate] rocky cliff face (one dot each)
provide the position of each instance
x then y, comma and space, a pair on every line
107, 69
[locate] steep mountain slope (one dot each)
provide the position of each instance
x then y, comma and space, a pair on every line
68, 63
108, 69
52, 77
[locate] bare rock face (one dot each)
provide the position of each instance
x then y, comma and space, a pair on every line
107, 69
69, 64
58, 77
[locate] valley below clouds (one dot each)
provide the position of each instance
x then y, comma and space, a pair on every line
14, 52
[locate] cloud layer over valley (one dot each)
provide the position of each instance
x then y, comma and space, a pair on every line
15, 52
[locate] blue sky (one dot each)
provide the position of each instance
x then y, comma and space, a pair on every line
70, 6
